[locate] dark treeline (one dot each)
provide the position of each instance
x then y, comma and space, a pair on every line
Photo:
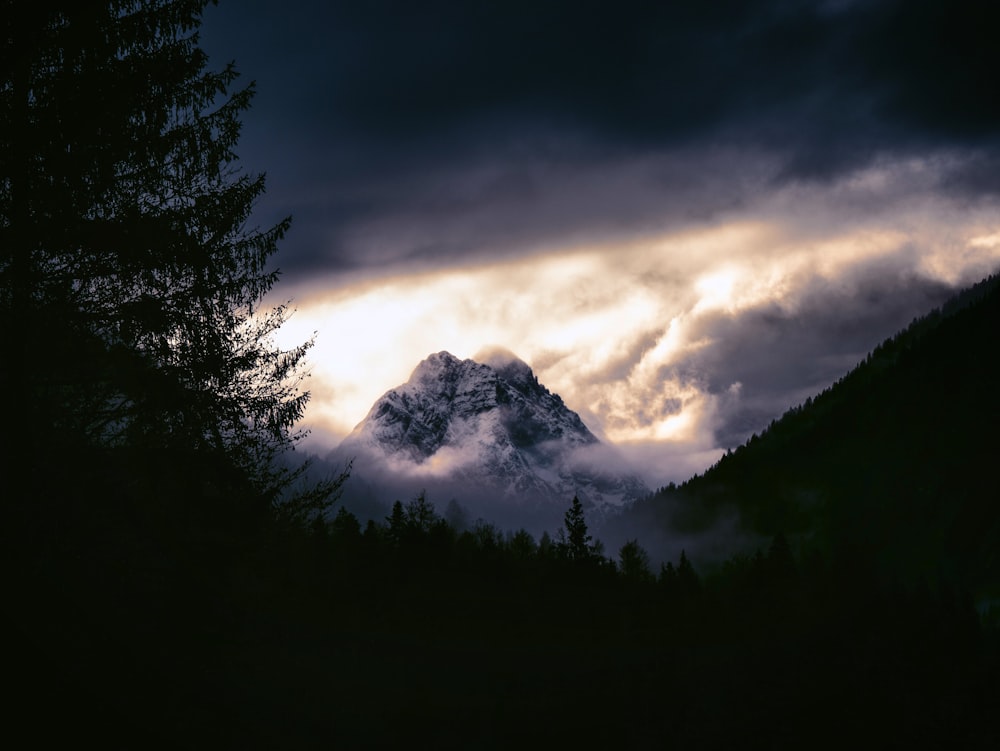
168, 581
757, 651
219, 631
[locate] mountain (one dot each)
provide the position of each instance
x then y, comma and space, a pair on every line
485, 432
891, 469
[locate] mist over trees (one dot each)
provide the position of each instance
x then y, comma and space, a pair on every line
889, 465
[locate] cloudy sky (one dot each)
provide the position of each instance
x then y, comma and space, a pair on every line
686, 217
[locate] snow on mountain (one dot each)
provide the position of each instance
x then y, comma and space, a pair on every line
488, 434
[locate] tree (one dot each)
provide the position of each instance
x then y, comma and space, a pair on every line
546, 547
131, 285
634, 562
575, 541
668, 578
488, 536
345, 527
396, 523
522, 545
420, 514
687, 578
344, 531
681, 580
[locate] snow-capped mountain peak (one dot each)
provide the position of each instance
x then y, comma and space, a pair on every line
486, 427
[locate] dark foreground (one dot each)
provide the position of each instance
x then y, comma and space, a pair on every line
197, 626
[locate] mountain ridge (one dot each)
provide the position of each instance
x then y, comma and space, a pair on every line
469, 428
889, 464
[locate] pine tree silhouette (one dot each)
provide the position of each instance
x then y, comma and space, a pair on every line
131, 283
575, 541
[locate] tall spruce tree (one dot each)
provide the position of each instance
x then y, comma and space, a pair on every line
575, 541
131, 284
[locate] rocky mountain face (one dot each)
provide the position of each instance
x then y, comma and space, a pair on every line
486, 433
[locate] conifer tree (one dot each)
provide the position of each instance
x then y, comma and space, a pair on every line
345, 527
131, 282
575, 541
396, 523
668, 577
687, 578
634, 562
420, 514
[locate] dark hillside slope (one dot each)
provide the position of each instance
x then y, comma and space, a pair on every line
893, 466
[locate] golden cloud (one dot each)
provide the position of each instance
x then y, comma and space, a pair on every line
606, 325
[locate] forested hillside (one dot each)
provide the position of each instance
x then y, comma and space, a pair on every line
894, 463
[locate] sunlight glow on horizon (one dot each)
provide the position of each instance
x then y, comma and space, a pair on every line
575, 310
604, 327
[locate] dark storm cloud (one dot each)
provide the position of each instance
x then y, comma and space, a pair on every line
635, 71
392, 117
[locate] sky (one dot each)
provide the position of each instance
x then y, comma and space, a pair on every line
686, 217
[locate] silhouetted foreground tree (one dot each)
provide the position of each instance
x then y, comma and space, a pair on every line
146, 404
130, 281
